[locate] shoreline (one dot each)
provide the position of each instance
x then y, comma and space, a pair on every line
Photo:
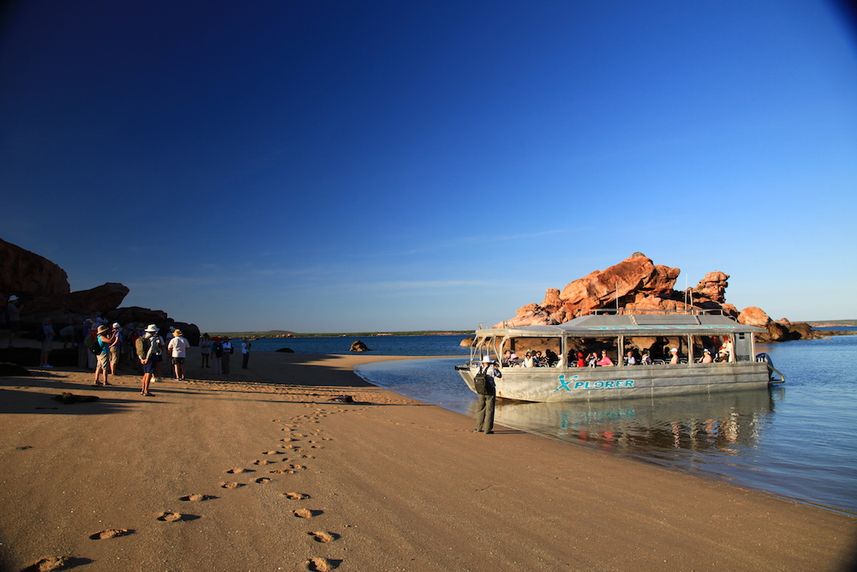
395, 483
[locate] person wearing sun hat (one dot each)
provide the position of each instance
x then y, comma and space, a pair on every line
150, 354
674, 358
488, 398
102, 363
178, 352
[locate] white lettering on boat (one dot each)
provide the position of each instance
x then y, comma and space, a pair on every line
570, 383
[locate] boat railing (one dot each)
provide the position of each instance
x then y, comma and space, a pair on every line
655, 311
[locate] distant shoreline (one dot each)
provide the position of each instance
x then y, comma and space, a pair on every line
287, 335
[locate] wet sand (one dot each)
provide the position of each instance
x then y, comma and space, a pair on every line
264, 472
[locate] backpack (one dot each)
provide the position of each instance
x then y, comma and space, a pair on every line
91, 344
141, 346
482, 385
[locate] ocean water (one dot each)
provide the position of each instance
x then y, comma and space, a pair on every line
797, 440
445, 345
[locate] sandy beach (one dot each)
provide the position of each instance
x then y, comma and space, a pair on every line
264, 472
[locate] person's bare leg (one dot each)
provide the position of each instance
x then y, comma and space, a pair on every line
144, 385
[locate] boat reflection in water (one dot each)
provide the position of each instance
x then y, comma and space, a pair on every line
666, 428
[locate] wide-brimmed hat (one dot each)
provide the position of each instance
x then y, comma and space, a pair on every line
102, 328
177, 333
152, 328
674, 350
117, 325
487, 359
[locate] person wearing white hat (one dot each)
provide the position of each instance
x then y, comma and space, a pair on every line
486, 388
706, 356
116, 347
178, 351
150, 354
674, 358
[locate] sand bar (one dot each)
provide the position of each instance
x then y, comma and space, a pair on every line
383, 484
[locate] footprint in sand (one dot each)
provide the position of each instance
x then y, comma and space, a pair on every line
110, 533
50, 563
323, 536
169, 516
319, 564
24, 447
296, 496
263, 480
306, 513
273, 452
231, 485
264, 461
197, 498
238, 470
281, 471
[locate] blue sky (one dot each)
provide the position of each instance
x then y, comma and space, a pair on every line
333, 166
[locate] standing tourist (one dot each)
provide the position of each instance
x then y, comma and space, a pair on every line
178, 352
227, 353
487, 391
149, 351
217, 353
245, 352
205, 349
48, 334
116, 347
103, 357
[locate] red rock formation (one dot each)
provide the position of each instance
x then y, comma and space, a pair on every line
642, 286
27, 274
633, 276
712, 287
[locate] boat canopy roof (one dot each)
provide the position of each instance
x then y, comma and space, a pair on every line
629, 325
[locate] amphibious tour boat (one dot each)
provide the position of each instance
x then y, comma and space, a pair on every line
654, 354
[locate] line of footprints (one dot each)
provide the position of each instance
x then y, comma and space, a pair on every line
289, 445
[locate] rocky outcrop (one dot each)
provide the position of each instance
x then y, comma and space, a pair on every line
27, 274
638, 285
359, 346
44, 293
466, 343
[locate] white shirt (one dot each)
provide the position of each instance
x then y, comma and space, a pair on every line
178, 347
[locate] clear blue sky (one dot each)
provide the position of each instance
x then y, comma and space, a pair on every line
321, 166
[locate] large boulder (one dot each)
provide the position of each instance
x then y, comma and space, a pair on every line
712, 287
137, 315
635, 275
189, 331
29, 275
359, 346
754, 316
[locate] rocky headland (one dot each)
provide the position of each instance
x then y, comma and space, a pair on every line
43, 291
638, 285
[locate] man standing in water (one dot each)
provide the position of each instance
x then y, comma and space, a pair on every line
484, 382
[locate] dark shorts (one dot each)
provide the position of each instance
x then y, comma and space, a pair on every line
178, 360
149, 366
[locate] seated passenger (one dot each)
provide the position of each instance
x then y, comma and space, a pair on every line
581, 361
550, 357
630, 359
592, 360
605, 360
674, 358
706, 356
646, 359
528, 360
539, 359
514, 359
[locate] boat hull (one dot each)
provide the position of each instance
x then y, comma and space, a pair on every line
547, 384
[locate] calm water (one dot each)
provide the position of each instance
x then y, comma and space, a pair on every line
796, 440
381, 345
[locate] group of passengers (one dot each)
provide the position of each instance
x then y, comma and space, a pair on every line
577, 358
